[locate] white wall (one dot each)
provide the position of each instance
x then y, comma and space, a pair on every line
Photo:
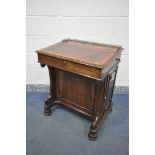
50, 21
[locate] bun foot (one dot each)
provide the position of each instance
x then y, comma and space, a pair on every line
47, 106
47, 112
92, 136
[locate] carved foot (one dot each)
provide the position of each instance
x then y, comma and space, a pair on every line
47, 106
47, 111
92, 135
93, 129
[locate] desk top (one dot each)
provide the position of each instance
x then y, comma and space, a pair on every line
89, 53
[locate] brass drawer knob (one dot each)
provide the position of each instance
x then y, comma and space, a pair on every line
64, 62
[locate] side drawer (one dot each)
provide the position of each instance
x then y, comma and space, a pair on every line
70, 66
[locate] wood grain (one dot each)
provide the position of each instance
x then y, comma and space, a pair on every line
81, 85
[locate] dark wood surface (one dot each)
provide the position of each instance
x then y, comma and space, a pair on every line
82, 78
93, 54
85, 58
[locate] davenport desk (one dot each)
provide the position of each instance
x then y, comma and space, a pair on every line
82, 78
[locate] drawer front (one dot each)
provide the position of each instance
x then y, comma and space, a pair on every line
70, 66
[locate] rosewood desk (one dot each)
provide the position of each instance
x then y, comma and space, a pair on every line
82, 78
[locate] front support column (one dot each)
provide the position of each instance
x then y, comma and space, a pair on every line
51, 98
101, 109
92, 135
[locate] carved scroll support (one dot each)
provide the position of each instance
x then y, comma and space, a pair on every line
97, 123
100, 109
92, 135
51, 98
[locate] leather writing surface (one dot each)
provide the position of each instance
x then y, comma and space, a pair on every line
83, 52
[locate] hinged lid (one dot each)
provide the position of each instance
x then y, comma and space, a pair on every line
88, 53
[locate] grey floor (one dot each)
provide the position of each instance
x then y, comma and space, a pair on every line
65, 133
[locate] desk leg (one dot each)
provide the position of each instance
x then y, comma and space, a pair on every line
93, 128
102, 102
102, 106
96, 113
51, 98
97, 123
